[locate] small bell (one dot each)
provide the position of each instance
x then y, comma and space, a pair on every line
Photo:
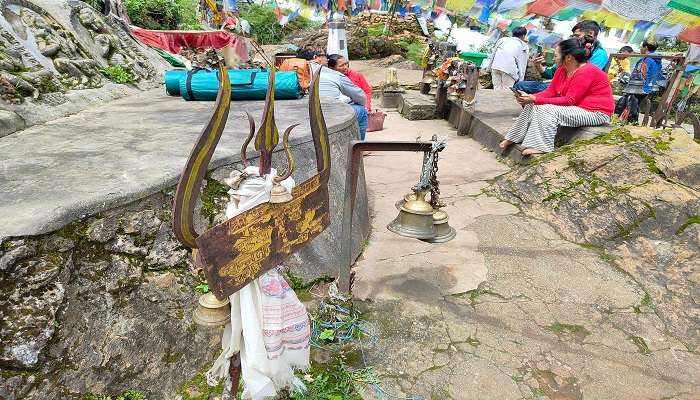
415, 219
635, 86
445, 232
212, 311
279, 194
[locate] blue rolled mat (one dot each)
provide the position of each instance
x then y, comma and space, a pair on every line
246, 84
172, 81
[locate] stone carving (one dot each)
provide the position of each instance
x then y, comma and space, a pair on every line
115, 49
74, 65
20, 79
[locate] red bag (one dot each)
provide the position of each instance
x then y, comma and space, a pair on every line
375, 120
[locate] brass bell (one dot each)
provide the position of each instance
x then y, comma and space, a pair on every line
279, 194
445, 232
407, 197
212, 311
635, 86
415, 219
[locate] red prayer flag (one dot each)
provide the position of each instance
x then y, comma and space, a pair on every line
546, 8
691, 35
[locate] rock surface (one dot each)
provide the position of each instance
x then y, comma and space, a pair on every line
634, 193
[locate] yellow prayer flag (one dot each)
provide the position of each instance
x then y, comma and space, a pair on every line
459, 5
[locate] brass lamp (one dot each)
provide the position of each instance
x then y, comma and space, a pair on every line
212, 311
415, 219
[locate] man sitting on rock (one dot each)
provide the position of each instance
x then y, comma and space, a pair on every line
338, 86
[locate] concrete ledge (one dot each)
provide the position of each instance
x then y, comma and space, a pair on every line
493, 116
416, 106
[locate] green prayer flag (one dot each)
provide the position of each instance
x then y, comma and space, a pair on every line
567, 14
691, 7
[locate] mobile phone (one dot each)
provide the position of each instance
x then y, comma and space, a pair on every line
539, 50
515, 91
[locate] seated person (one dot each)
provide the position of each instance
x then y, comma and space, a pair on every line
579, 95
338, 86
340, 64
599, 58
647, 69
620, 65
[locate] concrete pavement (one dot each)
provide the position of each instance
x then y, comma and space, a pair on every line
508, 309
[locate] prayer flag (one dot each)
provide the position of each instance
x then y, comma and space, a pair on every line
691, 7
691, 35
545, 8
679, 17
567, 14
667, 30
459, 5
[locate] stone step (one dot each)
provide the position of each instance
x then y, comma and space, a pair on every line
416, 106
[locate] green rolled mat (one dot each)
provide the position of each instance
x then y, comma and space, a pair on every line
246, 84
172, 81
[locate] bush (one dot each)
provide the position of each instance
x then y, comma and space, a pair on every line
153, 14
118, 74
266, 29
413, 51
96, 4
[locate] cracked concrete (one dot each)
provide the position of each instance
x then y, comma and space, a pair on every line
508, 309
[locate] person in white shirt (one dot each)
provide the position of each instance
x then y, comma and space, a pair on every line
509, 60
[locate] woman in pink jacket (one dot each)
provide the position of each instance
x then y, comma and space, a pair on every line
341, 64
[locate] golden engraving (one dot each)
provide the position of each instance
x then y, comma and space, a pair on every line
252, 248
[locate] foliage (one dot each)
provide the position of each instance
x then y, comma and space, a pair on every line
198, 389
266, 29
214, 197
203, 287
672, 45
413, 51
118, 74
154, 14
96, 4
375, 30
128, 395
334, 381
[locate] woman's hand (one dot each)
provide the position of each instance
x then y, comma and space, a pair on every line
524, 98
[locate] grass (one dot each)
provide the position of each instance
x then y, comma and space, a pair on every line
641, 344
128, 395
214, 196
693, 219
414, 50
119, 74
375, 30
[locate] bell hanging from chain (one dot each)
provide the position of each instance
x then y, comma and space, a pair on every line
443, 231
415, 219
212, 311
635, 86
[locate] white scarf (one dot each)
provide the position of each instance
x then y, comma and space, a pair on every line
269, 325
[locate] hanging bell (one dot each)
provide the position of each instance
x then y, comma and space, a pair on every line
415, 219
444, 232
279, 194
406, 197
212, 311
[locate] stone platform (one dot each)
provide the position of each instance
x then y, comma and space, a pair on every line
494, 114
416, 106
96, 295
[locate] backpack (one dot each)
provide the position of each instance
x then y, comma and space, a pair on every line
301, 67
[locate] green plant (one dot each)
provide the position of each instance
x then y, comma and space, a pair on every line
96, 4
154, 14
335, 381
413, 51
187, 13
266, 29
128, 395
203, 287
375, 30
118, 74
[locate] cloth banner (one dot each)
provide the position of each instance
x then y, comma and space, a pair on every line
637, 36
567, 14
546, 8
691, 35
678, 17
637, 9
691, 7
459, 5
175, 41
668, 31
507, 5
584, 5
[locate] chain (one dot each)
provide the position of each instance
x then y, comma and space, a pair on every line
435, 201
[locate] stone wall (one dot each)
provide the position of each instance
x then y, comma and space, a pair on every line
51, 49
104, 304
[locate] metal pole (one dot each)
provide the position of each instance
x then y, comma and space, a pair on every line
354, 161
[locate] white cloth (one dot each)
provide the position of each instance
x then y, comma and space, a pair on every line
259, 313
510, 56
501, 80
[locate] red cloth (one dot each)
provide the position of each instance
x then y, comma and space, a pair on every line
174, 41
587, 88
691, 35
359, 80
545, 8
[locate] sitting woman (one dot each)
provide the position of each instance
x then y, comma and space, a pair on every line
342, 65
579, 95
